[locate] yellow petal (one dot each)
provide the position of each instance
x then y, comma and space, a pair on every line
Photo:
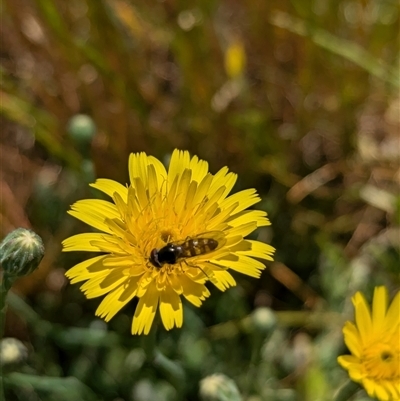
381, 393
172, 188
108, 246
121, 204
180, 160
222, 279
171, 309
187, 210
379, 308
138, 163
393, 313
369, 386
202, 190
245, 199
141, 194
94, 212
86, 269
145, 311
176, 283
362, 317
245, 216
393, 390
352, 339
348, 361
117, 299
222, 179
109, 187
199, 168
259, 250
356, 373
221, 217
241, 264
104, 283
159, 169
214, 198
194, 292
121, 261
152, 183
83, 242
182, 189
242, 230
125, 240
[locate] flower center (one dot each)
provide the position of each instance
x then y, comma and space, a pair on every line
382, 360
386, 356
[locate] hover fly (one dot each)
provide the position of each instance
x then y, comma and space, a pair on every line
178, 251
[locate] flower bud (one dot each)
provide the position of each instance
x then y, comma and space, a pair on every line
264, 320
20, 253
81, 129
13, 353
219, 387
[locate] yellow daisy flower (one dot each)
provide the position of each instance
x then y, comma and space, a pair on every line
374, 341
164, 236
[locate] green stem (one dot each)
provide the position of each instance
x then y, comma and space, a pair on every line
172, 371
254, 361
5, 286
66, 388
18, 305
346, 391
64, 336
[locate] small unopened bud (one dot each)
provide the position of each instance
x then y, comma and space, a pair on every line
20, 253
264, 320
219, 387
81, 129
13, 353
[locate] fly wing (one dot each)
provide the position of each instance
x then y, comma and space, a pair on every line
218, 236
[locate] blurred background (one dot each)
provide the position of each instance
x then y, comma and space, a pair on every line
300, 98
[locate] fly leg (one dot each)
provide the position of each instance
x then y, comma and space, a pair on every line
197, 267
